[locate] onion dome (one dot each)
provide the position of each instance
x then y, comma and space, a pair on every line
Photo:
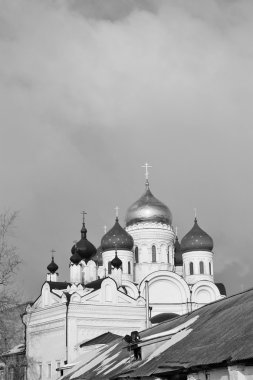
178, 258
52, 267
83, 247
196, 240
148, 209
99, 258
117, 237
75, 258
116, 262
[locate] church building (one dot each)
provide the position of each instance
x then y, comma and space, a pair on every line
140, 275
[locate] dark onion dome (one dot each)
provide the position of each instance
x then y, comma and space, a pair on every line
148, 209
178, 258
117, 237
196, 240
84, 248
75, 258
52, 267
98, 258
163, 317
116, 262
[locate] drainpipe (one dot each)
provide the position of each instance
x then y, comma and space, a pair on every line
147, 304
66, 330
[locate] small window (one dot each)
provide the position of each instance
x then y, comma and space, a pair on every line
11, 374
40, 371
191, 268
1, 374
153, 254
210, 268
49, 370
129, 267
168, 254
136, 252
109, 267
201, 267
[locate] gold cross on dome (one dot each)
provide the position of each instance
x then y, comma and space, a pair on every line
84, 213
117, 211
146, 166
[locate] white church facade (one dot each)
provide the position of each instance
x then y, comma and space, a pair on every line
139, 275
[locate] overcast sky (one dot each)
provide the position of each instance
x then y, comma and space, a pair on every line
91, 90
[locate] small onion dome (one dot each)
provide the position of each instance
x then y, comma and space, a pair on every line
98, 258
84, 248
116, 262
178, 254
196, 240
117, 237
75, 258
52, 267
148, 209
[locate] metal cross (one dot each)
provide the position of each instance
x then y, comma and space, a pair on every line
176, 230
105, 229
53, 251
84, 213
146, 166
195, 213
117, 211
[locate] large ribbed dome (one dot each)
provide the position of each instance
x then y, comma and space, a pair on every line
117, 238
148, 209
83, 247
196, 240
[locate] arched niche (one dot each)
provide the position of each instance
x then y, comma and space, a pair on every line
165, 287
204, 292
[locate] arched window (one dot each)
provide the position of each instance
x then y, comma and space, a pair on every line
136, 252
201, 267
168, 254
153, 254
129, 267
109, 267
191, 268
210, 267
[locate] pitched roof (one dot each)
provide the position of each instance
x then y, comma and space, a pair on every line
105, 338
216, 334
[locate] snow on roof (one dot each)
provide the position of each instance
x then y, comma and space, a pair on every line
19, 349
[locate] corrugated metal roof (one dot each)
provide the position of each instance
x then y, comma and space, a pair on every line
218, 332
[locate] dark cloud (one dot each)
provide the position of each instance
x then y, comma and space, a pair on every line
91, 90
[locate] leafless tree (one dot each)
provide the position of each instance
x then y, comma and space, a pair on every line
9, 263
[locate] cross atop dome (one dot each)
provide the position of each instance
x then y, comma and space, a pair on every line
117, 212
84, 213
146, 166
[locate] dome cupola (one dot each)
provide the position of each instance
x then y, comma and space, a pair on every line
117, 237
83, 247
116, 262
178, 253
148, 209
196, 240
52, 267
75, 258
